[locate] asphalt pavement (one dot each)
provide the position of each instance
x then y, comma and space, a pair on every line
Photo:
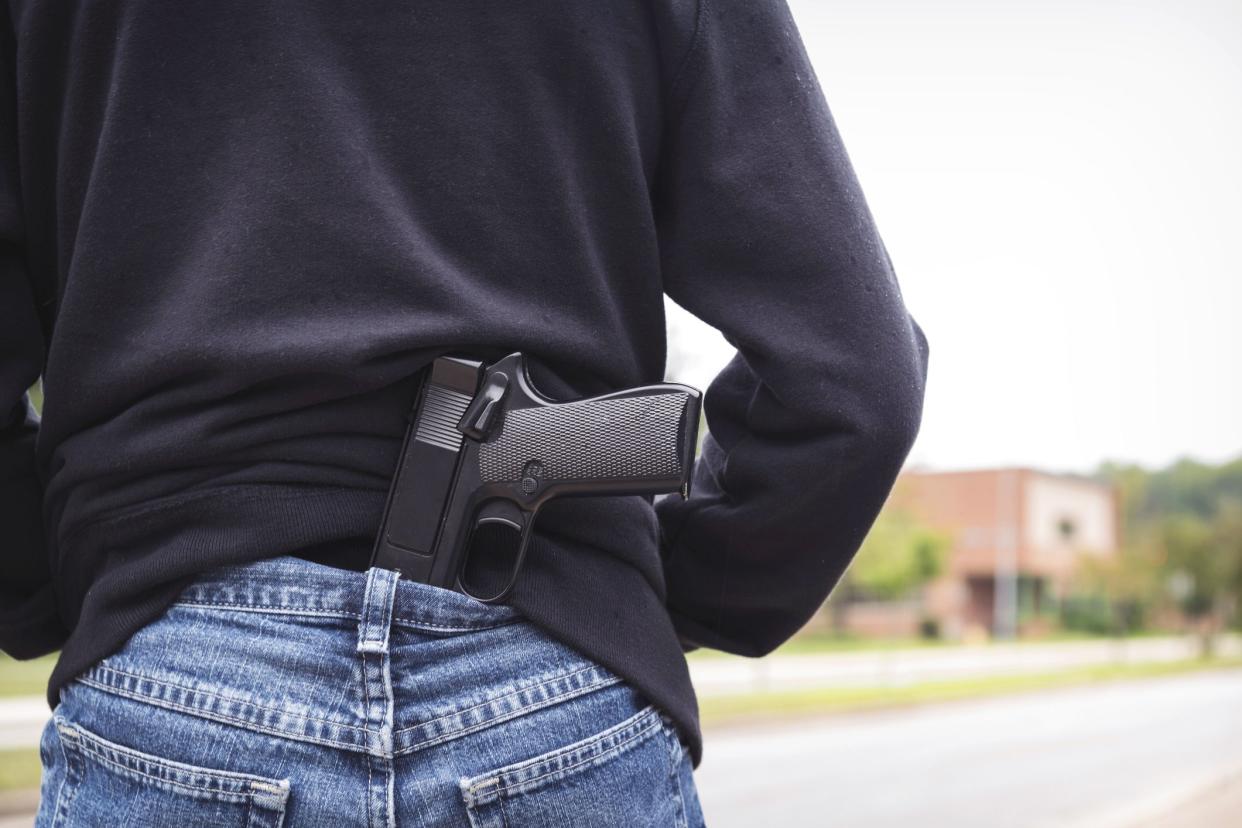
1118, 755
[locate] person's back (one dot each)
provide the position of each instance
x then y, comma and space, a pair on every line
237, 231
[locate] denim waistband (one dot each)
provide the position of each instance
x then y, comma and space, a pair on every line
294, 586
305, 651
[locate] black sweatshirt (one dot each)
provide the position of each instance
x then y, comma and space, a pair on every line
231, 233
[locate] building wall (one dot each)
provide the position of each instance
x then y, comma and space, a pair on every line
888, 619
964, 504
1065, 517
1007, 514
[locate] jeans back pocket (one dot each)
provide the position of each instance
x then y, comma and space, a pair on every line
622, 776
98, 782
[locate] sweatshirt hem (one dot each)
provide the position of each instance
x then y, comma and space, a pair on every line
134, 563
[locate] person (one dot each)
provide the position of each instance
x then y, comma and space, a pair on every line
233, 233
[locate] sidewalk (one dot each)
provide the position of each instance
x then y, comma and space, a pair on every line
1217, 806
22, 720
724, 676
17, 808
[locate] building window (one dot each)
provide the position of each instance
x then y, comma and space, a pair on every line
1066, 528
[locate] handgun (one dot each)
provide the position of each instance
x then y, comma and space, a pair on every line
485, 450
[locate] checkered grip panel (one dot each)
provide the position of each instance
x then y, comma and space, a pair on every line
626, 438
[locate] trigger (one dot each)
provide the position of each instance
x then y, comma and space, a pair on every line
498, 522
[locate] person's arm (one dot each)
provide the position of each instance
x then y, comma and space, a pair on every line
765, 235
29, 624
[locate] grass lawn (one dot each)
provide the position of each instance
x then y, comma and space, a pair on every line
25, 678
19, 769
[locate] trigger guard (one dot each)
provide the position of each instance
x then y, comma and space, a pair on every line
502, 513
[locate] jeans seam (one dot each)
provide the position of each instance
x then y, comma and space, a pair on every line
674, 756
513, 714
244, 724
550, 700
99, 756
645, 721
415, 623
61, 805
365, 733
509, 695
103, 686
372, 646
366, 692
270, 609
619, 747
281, 609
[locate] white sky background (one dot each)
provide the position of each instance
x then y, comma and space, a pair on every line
1060, 188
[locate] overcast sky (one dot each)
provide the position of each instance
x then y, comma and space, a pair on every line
1060, 188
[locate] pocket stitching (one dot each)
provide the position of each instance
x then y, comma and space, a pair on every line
62, 804
675, 747
607, 679
675, 754
480, 791
95, 678
216, 716
279, 609
90, 745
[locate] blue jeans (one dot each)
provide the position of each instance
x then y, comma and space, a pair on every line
286, 692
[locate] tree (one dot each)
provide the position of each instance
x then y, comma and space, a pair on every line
898, 556
1114, 593
1204, 565
1184, 526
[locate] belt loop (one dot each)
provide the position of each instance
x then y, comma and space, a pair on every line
377, 604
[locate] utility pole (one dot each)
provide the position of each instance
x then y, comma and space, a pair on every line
1005, 589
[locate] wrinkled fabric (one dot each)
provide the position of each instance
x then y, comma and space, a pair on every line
232, 233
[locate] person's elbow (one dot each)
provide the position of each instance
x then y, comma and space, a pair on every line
897, 410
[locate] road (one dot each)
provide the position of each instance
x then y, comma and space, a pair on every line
1106, 756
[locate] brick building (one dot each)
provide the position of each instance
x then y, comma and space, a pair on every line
1017, 535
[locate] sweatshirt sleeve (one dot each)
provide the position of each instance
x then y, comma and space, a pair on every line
29, 624
765, 235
